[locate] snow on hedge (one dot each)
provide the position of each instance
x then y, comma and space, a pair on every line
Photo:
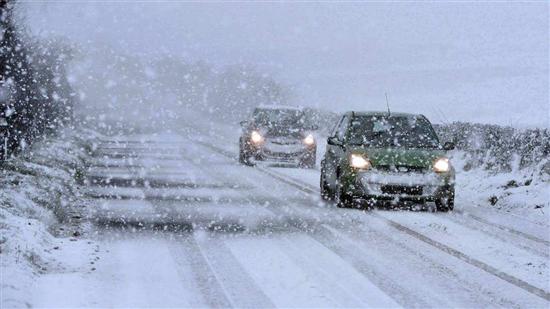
39, 199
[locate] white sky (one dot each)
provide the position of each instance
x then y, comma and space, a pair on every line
485, 62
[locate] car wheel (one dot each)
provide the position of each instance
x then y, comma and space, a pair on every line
307, 163
244, 158
341, 197
446, 202
369, 204
4, 149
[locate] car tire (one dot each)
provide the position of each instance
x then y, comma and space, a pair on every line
244, 158
369, 205
4, 147
446, 202
308, 163
341, 197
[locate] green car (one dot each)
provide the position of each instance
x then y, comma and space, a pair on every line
375, 157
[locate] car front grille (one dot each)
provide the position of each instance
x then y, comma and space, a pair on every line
283, 141
397, 189
401, 168
282, 155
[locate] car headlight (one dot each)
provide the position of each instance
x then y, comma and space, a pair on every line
359, 161
309, 140
256, 137
442, 165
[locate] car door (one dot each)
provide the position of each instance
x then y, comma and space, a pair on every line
335, 151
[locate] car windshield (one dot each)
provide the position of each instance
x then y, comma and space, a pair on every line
279, 118
393, 131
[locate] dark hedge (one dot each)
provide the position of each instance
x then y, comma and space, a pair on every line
37, 98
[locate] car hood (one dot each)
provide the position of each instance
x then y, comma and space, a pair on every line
282, 131
420, 158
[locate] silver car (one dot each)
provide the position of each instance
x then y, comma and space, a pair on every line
280, 134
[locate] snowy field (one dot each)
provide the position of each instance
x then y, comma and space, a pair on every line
172, 220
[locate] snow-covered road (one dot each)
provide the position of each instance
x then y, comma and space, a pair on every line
178, 222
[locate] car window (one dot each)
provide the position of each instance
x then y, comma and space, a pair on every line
279, 117
393, 131
342, 128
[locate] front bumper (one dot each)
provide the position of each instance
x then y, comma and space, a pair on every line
292, 152
393, 186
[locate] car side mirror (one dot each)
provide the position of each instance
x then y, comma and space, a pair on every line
449, 146
243, 123
333, 141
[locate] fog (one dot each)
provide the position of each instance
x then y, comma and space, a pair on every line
480, 62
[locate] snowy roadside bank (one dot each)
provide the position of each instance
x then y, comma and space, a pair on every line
41, 211
521, 192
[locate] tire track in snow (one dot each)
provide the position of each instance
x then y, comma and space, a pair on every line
470, 260
212, 291
233, 286
187, 252
194, 263
238, 285
352, 292
504, 228
519, 243
385, 273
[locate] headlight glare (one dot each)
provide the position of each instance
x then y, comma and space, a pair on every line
359, 161
309, 140
442, 165
256, 137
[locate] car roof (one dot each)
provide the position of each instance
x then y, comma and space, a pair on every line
278, 107
378, 113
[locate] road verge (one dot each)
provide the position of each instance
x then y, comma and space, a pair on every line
42, 210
